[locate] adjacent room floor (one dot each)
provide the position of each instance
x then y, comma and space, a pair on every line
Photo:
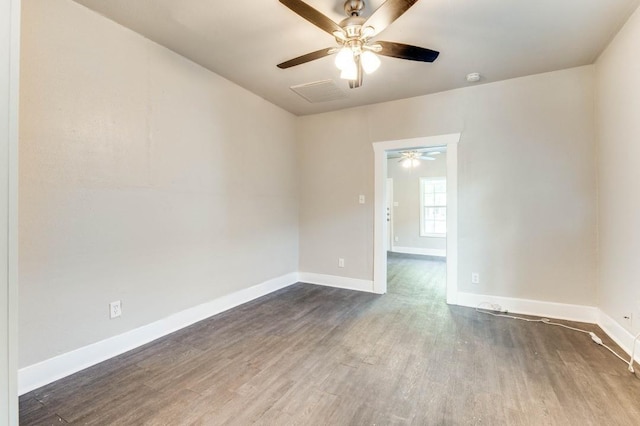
314, 355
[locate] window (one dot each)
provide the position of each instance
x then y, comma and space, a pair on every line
433, 207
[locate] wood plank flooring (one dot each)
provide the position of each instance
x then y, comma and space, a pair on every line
310, 355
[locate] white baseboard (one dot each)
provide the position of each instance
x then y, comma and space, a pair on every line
618, 334
580, 313
336, 281
422, 251
45, 372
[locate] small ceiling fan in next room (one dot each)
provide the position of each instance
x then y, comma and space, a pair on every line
356, 52
410, 159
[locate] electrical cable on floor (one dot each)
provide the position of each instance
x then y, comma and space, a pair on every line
496, 311
633, 355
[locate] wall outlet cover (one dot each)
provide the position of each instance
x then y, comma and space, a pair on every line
115, 309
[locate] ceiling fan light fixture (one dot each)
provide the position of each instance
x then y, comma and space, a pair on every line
410, 163
344, 59
370, 61
367, 32
350, 72
339, 35
411, 159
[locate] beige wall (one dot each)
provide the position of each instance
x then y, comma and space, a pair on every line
526, 183
406, 192
144, 178
336, 166
618, 117
9, 59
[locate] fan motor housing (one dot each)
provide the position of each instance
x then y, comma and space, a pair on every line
352, 26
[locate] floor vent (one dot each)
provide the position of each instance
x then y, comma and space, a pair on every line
319, 91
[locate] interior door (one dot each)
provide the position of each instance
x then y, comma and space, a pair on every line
389, 239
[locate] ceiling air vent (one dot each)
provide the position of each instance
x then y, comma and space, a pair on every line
319, 91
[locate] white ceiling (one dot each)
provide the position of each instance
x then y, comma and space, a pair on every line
243, 40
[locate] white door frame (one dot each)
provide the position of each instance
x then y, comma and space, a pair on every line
389, 205
380, 223
9, 62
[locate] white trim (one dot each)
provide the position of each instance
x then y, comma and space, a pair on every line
434, 235
618, 334
452, 219
380, 223
9, 82
580, 313
418, 250
390, 205
336, 281
45, 372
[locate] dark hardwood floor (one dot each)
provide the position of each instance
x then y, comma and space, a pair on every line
311, 355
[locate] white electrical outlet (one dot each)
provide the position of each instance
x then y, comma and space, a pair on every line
340, 262
361, 199
475, 278
395, 239
115, 309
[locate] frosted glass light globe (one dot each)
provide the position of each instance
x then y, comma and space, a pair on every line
350, 72
370, 61
344, 58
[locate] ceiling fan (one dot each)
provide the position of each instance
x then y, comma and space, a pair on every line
355, 51
412, 158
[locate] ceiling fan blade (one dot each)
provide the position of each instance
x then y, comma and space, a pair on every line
427, 158
306, 58
406, 51
310, 14
383, 16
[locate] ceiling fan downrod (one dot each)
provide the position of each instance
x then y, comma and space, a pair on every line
353, 7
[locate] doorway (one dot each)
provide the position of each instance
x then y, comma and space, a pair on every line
416, 217
381, 231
